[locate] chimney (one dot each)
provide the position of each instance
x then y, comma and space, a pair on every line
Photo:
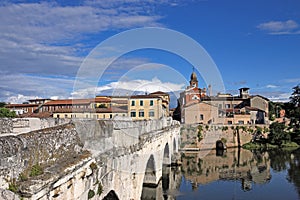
244, 93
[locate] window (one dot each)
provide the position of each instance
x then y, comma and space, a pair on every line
133, 103
133, 114
220, 106
141, 102
151, 103
201, 117
227, 105
151, 113
229, 122
110, 116
66, 116
141, 113
57, 116
195, 97
241, 122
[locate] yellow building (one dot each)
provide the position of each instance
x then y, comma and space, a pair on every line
97, 113
146, 107
165, 101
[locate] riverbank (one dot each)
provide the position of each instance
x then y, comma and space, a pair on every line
260, 145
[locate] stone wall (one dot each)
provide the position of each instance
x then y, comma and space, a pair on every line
228, 133
18, 154
24, 125
66, 152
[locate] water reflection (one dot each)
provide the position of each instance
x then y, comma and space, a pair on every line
235, 174
167, 188
233, 164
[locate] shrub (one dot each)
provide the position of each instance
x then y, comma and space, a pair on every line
13, 187
207, 127
100, 189
36, 170
23, 177
224, 128
93, 166
224, 140
91, 194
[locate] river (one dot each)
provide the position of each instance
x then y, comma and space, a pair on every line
232, 174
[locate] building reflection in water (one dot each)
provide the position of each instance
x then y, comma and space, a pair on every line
231, 164
239, 165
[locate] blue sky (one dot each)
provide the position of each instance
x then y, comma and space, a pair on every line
254, 44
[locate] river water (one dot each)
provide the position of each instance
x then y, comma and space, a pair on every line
232, 174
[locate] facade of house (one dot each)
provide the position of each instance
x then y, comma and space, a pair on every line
146, 107
21, 109
27, 108
95, 113
138, 107
165, 101
197, 107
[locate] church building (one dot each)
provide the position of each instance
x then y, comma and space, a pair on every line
195, 106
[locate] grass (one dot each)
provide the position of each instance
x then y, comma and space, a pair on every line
289, 144
36, 170
256, 145
13, 187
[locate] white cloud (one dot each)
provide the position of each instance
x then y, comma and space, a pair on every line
130, 87
47, 39
283, 97
280, 27
18, 87
19, 98
271, 86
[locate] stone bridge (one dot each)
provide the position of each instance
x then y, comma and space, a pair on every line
91, 159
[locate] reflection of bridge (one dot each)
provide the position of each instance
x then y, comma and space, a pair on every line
125, 155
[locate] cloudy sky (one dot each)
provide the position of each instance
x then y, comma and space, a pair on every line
43, 44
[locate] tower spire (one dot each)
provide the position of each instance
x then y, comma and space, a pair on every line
193, 80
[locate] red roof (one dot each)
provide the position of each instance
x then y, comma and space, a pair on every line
148, 96
90, 110
20, 105
159, 93
69, 102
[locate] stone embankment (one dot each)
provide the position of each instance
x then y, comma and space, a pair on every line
196, 136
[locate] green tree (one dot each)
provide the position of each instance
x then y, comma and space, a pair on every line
293, 112
4, 112
295, 98
278, 135
2, 104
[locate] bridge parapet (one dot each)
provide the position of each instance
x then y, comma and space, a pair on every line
61, 151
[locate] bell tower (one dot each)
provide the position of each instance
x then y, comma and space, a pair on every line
194, 80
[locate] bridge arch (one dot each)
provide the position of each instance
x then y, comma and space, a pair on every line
174, 145
150, 173
111, 196
166, 155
